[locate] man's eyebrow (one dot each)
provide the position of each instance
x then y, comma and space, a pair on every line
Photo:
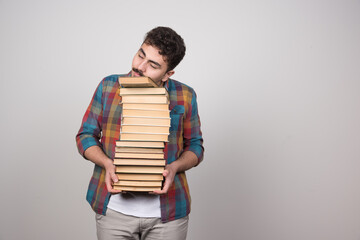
153, 62
142, 51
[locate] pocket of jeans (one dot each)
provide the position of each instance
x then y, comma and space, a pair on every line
98, 217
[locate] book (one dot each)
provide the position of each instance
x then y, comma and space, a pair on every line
138, 144
140, 177
145, 126
145, 129
144, 137
139, 162
139, 169
146, 121
140, 155
136, 189
138, 183
136, 82
143, 91
138, 150
146, 113
145, 99
145, 106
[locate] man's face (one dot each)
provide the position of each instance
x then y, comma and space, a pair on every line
148, 62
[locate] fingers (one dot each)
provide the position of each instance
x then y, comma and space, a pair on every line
114, 178
168, 181
111, 177
162, 191
165, 173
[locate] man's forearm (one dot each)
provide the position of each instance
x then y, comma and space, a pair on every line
186, 161
96, 155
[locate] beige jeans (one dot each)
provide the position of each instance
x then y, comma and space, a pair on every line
118, 226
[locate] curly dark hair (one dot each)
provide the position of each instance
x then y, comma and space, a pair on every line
170, 45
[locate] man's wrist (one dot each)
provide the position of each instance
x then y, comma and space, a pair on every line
174, 166
108, 163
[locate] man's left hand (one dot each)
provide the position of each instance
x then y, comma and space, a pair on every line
186, 161
169, 174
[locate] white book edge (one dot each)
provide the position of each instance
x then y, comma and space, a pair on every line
144, 109
144, 117
147, 125
131, 116
145, 133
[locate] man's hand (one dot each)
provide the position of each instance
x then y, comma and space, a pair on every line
186, 161
110, 177
169, 174
97, 156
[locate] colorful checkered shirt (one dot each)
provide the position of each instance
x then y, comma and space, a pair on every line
101, 126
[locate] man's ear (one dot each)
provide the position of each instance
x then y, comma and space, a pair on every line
167, 75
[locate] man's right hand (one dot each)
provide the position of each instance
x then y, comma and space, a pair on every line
110, 177
97, 156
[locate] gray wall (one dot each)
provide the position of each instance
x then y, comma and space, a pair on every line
278, 92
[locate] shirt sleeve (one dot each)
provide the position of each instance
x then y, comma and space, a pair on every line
193, 140
90, 130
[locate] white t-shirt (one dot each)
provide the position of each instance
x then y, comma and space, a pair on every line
136, 204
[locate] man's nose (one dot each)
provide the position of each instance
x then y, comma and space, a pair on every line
142, 66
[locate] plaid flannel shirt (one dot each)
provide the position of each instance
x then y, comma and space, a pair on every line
101, 126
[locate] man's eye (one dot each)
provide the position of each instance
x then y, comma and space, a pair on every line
154, 66
140, 56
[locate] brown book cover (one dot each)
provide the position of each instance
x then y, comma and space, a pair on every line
145, 129
138, 162
153, 99
140, 176
144, 137
138, 150
139, 169
136, 189
140, 144
146, 113
140, 155
145, 106
143, 91
146, 121
136, 82
138, 183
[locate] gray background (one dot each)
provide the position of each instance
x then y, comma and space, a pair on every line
278, 93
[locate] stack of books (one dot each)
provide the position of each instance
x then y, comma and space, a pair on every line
145, 124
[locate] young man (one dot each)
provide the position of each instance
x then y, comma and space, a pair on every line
164, 213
